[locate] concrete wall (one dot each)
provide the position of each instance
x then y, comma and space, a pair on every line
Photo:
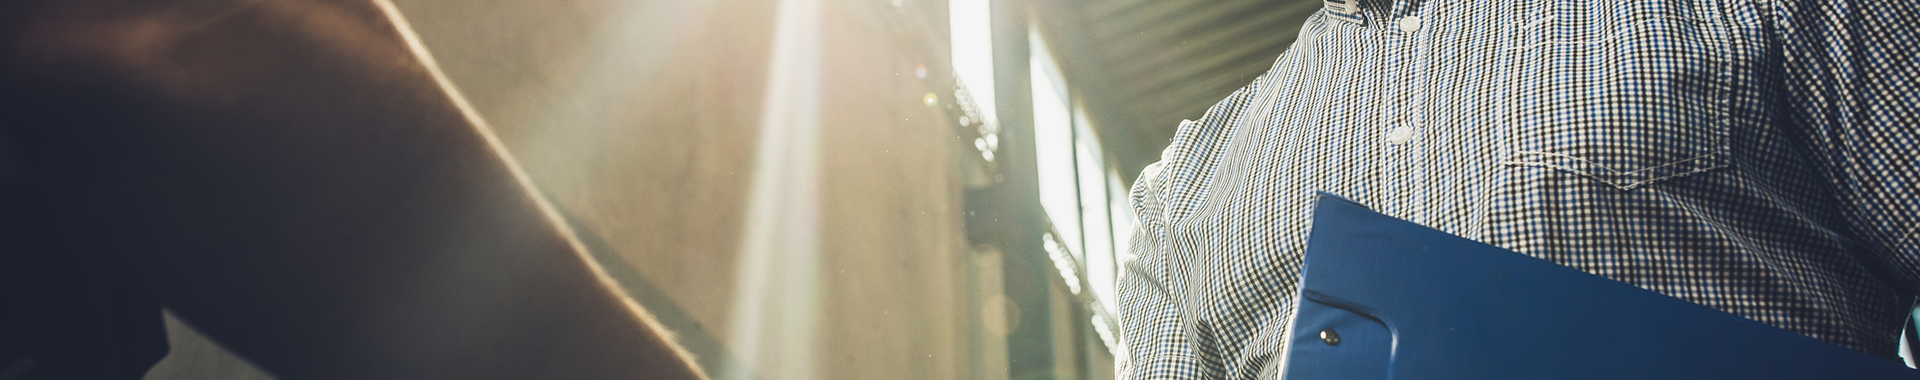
640, 119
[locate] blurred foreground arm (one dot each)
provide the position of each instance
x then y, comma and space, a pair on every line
289, 177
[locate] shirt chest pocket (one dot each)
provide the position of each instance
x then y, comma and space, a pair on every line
1622, 92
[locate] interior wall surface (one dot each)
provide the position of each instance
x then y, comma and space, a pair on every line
639, 119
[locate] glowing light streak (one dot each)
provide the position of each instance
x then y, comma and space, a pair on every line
776, 305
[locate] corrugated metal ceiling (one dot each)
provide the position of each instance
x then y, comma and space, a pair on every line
1140, 66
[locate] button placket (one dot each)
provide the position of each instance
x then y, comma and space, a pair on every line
1403, 167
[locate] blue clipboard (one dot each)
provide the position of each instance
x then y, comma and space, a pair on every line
1383, 298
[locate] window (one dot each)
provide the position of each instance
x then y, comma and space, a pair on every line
1082, 196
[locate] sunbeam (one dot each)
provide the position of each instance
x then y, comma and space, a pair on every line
776, 303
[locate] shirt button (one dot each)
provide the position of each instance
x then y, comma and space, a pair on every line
1410, 24
1400, 135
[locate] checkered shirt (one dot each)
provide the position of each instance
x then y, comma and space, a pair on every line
1753, 156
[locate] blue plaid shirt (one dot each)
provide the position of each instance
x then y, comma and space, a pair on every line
1754, 156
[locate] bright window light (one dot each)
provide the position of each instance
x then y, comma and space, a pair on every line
1121, 214
970, 24
1054, 151
1091, 170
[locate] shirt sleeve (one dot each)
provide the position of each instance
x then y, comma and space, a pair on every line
1855, 106
1157, 345
1153, 329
